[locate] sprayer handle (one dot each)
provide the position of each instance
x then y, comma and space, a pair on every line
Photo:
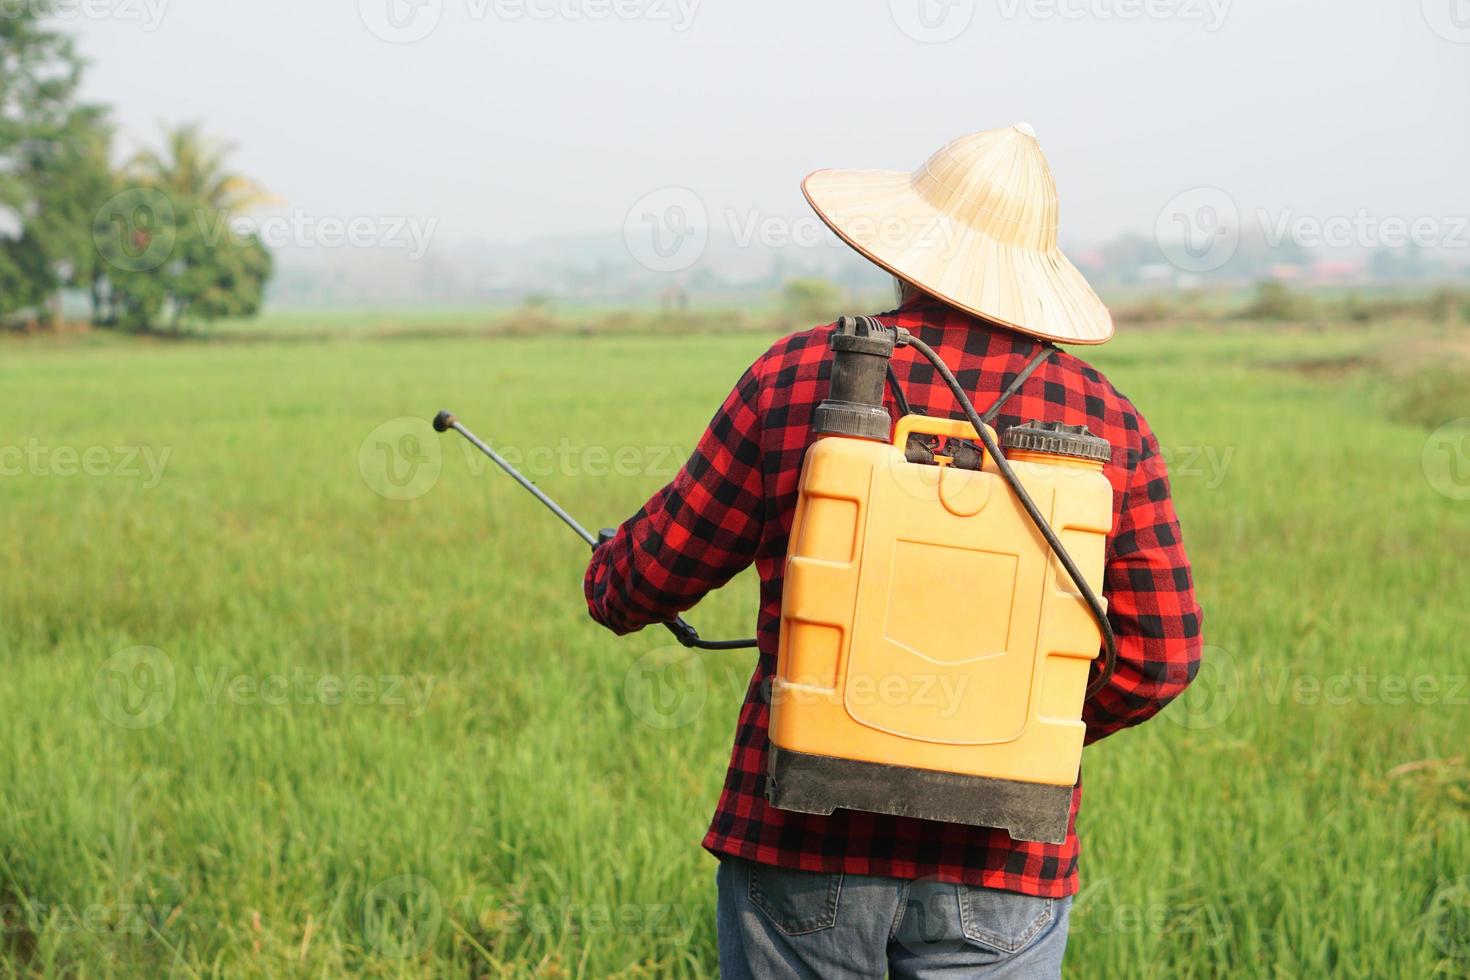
686, 635
925, 425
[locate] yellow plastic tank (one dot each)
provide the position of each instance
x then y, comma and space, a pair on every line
934, 654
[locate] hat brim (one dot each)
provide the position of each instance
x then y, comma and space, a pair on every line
879, 214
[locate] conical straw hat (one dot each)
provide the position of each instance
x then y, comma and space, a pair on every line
976, 226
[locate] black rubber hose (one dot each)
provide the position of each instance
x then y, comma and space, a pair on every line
896, 390
749, 644
1110, 648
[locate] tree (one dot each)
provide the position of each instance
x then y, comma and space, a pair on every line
166, 261
172, 259
73, 180
169, 241
53, 161
192, 166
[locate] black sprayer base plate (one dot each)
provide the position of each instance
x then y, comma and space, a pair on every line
820, 784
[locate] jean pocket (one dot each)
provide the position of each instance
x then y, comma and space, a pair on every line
796, 902
1006, 922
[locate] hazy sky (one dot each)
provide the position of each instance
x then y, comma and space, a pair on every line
511, 119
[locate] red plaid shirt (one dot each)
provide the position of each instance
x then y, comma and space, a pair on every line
733, 504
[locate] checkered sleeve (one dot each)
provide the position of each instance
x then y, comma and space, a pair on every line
1151, 603
696, 533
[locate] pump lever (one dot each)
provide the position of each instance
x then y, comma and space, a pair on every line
687, 635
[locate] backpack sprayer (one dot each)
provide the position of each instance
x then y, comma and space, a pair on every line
932, 661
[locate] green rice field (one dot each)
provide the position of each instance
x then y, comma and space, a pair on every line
295, 688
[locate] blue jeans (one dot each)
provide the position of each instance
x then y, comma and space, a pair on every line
779, 923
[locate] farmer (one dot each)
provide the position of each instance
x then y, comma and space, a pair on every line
970, 238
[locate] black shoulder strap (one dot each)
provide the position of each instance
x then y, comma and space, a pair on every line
896, 390
1015, 385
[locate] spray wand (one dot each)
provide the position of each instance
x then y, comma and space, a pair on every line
686, 635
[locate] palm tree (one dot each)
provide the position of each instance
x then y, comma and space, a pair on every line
203, 269
192, 165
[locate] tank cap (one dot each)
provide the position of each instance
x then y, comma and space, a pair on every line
1057, 439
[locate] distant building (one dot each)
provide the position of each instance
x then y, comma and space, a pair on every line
1332, 271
